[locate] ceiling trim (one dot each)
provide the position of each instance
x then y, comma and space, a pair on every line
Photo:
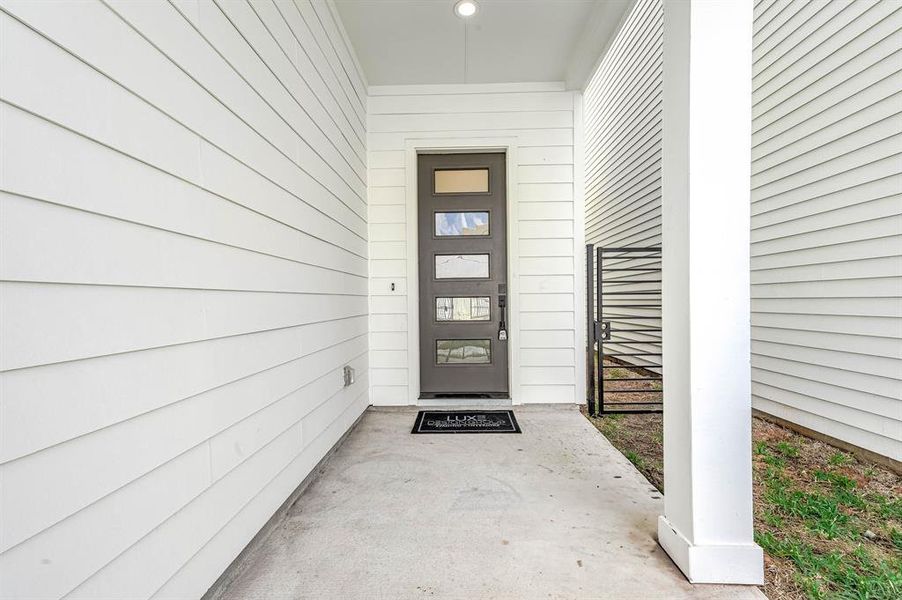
606, 20
426, 89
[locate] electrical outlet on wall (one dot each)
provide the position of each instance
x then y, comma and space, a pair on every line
348, 375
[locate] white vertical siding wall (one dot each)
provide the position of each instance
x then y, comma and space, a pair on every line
827, 218
540, 117
623, 156
184, 274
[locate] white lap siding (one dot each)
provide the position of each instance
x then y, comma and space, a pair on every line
183, 258
827, 218
623, 167
540, 117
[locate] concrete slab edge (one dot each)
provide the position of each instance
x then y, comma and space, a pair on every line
235, 568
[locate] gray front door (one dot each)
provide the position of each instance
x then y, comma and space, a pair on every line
463, 275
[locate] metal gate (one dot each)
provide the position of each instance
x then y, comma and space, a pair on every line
623, 308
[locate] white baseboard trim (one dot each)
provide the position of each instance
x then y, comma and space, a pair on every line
731, 564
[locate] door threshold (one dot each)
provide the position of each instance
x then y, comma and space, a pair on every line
464, 402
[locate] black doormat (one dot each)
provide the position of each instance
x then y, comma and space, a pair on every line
466, 421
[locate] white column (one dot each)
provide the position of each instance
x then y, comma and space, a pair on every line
707, 524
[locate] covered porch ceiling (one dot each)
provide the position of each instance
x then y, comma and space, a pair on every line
425, 42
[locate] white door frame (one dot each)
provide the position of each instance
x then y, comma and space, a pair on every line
413, 146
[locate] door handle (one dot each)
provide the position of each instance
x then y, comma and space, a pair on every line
502, 328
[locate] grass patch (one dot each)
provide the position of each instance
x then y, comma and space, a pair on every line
830, 524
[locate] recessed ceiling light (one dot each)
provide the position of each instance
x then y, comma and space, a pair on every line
465, 8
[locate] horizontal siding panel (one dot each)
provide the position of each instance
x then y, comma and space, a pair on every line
397, 140
872, 385
388, 340
890, 266
47, 323
115, 50
545, 302
146, 256
171, 362
544, 192
547, 375
79, 173
338, 108
536, 284
387, 178
476, 103
542, 123
218, 551
793, 225
551, 211
879, 366
796, 43
483, 122
623, 104
148, 502
546, 357
860, 249
546, 247
165, 550
387, 214
881, 426
394, 395
53, 485
388, 232
874, 307
885, 287
386, 159
548, 265
876, 346
826, 219
879, 405
815, 421
545, 174
388, 251
776, 150
383, 286
387, 196
388, 305
546, 339
886, 327
546, 320
387, 359
281, 86
388, 322
545, 155
549, 394
546, 229
50, 404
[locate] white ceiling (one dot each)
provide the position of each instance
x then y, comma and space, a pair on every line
423, 41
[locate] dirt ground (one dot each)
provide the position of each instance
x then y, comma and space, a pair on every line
830, 524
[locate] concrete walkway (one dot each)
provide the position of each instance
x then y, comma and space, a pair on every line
556, 512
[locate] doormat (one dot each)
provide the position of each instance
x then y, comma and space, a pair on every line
466, 421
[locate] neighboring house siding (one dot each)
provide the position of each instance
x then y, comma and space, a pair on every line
184, 274
623, 163
540, 118
826, 202
827, 218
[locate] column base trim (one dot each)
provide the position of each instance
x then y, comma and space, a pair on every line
734, 563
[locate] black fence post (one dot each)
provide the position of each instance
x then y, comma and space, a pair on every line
600, 299
590, 331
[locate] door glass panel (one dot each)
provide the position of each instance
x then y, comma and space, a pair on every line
461, 266
462, 309
461, 181
461, 223
466, 352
